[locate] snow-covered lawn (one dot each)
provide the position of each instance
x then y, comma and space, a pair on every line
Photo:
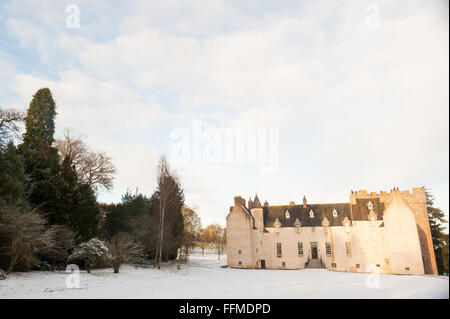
203, 277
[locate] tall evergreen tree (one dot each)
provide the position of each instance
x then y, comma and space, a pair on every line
40, 120
168, 212
53, 185
40, 158
440, 240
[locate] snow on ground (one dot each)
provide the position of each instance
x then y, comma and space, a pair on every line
203, 277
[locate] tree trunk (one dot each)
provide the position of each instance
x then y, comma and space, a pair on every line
162, 208
156, 253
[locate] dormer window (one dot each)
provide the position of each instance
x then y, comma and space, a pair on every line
287, 215
334, 213
370, 205
311, 214
277, 223
297, 225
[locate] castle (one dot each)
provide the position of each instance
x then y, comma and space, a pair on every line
386, 232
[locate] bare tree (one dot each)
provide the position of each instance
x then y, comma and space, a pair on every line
71, 147
97, 170
123, 249
217, 237
203, 240
22, 236
93, 168
192, 225
9, 119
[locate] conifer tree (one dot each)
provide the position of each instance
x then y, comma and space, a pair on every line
40, 120
41, 160
53, 185
436, 218
12, 176
79, 203
169, 199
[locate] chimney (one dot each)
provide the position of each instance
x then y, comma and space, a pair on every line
291, 204
304, 202
238, 201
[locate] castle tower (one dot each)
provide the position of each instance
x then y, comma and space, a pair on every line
402, 238
240, 224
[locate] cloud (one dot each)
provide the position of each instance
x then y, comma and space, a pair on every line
356, 107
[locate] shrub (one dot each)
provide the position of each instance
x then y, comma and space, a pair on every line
92, 253
123, 249
22, 236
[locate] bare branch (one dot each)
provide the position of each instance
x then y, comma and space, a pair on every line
9, 119
93, 168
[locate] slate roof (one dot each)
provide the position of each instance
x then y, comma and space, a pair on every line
271, 213
256, 202
361, 212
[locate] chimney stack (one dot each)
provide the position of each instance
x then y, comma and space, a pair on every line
238, 201
304, 202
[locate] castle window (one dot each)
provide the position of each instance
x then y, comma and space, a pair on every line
348, 247
311, 214
239, 252
279, 251
333, 265
300, 249
358, 265
334, 213
240, 263
287, 215
283, 263
328, 248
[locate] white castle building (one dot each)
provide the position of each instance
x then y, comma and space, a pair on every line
377, 232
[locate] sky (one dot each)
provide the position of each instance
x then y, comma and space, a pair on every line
327, 96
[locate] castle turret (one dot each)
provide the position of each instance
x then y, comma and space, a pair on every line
256, 202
